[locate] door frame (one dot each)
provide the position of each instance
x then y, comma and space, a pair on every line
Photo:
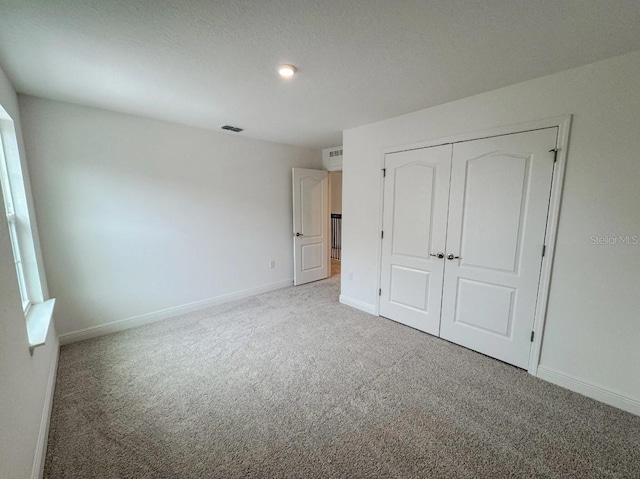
563, 123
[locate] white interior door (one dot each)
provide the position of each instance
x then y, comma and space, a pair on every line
310, 225
416, 192
498, 209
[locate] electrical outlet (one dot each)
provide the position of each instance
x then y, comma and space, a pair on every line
351, 276
272, 264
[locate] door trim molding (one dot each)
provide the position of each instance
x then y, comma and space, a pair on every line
556, 121
544, 286
563, 123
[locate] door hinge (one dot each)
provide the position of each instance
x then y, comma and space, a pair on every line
380, 292
532, 335
384, 172
555, 154
381, 234
544, 249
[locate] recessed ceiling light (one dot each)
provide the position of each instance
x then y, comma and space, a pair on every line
287, 71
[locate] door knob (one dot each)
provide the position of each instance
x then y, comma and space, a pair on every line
451, 256
299, 234
437, 255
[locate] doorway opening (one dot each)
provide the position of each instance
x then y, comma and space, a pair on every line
335, 210
317, 220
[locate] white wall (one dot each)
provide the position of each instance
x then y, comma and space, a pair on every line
592, 330
24, 379
138, 215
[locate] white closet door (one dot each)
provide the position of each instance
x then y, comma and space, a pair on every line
498, 209
416, 191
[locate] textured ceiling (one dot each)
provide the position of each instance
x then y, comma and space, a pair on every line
208, 62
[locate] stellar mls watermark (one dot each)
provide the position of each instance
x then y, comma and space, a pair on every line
616, 240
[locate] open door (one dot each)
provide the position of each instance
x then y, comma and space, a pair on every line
310, 225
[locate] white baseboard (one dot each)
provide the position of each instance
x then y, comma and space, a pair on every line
41, 446
598, 393
134, 322
361, 305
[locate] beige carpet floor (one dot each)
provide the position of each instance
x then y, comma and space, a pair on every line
293, 384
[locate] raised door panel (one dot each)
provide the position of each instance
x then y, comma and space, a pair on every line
409, 288
495, 192
484, 306
413, 209
311, 198
312, 256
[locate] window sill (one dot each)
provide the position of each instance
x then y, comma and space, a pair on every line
39, 319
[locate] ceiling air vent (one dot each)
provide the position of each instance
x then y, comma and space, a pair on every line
235, 129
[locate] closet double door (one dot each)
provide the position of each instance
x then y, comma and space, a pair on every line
463, 235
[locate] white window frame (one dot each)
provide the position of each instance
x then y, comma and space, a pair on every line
37, 310
12, 219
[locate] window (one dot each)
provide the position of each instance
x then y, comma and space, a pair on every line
13, 230
38, 312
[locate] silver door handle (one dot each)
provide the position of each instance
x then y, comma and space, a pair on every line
451, 256
437, 255
299, 234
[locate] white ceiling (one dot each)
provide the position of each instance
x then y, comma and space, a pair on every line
207, 62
